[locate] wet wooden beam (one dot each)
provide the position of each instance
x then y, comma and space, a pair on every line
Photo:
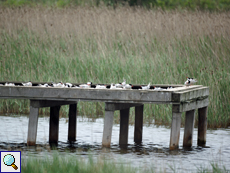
72, 122
108, 126
124, 126
202, 126
138, 124
54, 125
32, 126
188, 129
175, 130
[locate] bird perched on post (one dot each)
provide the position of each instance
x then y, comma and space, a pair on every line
190, 81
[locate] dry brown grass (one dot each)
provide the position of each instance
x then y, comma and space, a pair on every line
107, 24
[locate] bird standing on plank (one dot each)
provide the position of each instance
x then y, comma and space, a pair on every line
190, 81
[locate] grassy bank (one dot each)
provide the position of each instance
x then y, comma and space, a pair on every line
100, 165
104, 45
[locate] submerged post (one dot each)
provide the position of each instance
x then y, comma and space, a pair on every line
188, 129
124, 126
202, 126
72, 122
32, 126
138, 124
54, 124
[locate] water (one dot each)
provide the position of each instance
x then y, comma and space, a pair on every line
153, 152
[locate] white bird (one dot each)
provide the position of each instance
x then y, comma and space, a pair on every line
112, 86
9, 84
146, 87
127, 86
158, 88
88, 85
170, 87
190, 81
45, 85
27, 84
100, 86
118, 85
69, 85
124, 82
59, 85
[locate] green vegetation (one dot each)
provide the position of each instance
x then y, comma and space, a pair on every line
103, 46
63, 163
211, 5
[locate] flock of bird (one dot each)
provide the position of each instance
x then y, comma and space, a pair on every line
123, 85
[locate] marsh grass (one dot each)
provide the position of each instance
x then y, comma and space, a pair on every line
64, 163
103, 45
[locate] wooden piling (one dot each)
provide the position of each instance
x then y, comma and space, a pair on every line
188, 129
54, 124
32, 126
124, 126
108, 125
202, 126
175, 130
138, 124
72, 122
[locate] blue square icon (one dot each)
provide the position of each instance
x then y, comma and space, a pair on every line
10, 161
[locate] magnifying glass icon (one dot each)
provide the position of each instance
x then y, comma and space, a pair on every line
9, 160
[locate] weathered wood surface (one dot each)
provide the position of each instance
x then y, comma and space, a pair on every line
174, 95
49, 103
119, 106
124, 126
54, 124
175, 131
108, 126
202, 126
189, 94
182, 107
32, 126
138, 129
188, 128
72, 122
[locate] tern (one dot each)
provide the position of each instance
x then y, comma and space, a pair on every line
127, 86
146, 87
27, 84
100, 86
45, 85
69, 85
9, 84
112, 86
190, 81
88, 85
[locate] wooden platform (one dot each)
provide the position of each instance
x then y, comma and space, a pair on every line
182, 98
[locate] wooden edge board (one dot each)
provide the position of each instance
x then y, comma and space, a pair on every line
191, 94
182, 107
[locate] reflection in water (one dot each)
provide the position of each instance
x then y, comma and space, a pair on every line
154, 150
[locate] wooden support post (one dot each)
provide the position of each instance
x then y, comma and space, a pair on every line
54, 124
32, 126
108, 125
72, 122
188, 129
175, 130
124, 126
202, 126
138, 124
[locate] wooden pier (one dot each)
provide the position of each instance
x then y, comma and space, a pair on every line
182, 99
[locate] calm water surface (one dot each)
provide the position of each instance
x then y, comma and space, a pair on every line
153, 152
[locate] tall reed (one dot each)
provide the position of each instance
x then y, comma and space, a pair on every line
103, 45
